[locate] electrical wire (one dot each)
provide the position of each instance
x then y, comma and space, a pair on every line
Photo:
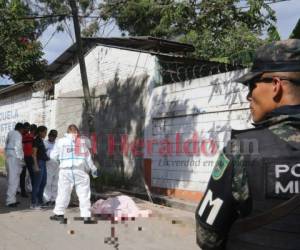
51, 37
64, 15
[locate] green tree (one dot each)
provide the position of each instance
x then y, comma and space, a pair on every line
89, 13
223, 30
20, 52
296, 31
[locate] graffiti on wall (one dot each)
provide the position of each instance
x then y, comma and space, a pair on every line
13, 109
8, 120
9, 116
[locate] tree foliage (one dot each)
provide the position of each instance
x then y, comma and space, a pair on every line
86, 8
296, 31
225, 30
20, 52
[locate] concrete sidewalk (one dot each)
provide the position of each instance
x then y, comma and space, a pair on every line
22, 228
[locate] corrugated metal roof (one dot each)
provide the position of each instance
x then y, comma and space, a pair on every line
68, 58
147, 44
166, 50
2, 86
15, 86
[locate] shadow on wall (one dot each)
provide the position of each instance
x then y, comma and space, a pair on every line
232, 93
168, 120
119, 113
188, 109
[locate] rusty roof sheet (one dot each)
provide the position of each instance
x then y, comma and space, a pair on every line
147, 44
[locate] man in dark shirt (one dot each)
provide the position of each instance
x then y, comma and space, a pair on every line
40, 157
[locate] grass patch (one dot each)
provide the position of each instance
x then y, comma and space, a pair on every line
2, 163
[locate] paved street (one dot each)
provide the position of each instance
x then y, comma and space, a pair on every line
26, 229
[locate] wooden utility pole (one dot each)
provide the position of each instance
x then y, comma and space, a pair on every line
85, 84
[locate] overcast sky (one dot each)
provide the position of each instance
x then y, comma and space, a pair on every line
287, 16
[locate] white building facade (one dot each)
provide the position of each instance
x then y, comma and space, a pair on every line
167, 123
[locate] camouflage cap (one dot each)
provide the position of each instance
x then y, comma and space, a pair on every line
280, 56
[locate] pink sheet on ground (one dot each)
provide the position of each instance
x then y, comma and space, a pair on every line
120, 207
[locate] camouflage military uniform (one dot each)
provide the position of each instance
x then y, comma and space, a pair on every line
228, 189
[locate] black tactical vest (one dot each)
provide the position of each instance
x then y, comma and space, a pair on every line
274, 177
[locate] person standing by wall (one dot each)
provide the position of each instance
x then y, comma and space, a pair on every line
40, 157
27, 139
75, 165
50, 192
14, 163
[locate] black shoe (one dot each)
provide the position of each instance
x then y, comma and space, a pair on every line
57, 217
11, 205
15, 204
24, 195
45, 204
88, 220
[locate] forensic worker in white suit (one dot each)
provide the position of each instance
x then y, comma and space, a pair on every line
14, 159
75, 165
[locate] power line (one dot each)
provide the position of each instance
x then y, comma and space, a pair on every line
63, 16
69, 15
51, 37
269, 2
36, 17
69, 32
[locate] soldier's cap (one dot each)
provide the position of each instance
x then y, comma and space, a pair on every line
280, 56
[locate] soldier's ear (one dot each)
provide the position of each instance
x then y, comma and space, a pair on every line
277, 89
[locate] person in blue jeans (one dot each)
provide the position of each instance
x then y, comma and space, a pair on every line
40, 157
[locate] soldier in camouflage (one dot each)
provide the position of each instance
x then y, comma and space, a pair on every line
252, 200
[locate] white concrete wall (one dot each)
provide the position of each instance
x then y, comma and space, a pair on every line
13, 109
121, 110
42, 110
103, 64
26, 106
211, 107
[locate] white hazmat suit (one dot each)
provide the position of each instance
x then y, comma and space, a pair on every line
75, 164
50, 191
14, 163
